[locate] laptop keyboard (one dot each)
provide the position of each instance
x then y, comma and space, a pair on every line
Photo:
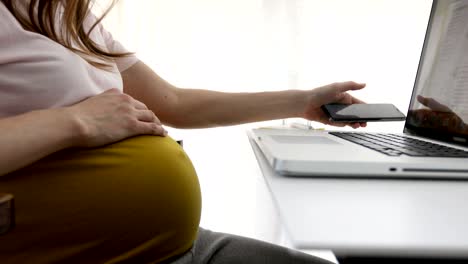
396, 145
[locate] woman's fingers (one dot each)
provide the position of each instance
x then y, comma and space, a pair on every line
337, 124
349, 86
354, 100
149, 123
343, 124
139, 105
113, 116
147, 116
149, 128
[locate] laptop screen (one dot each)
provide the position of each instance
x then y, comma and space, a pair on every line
439, 104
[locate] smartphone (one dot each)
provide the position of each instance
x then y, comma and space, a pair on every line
363, 112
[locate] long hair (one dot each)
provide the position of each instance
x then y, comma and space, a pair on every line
41, 18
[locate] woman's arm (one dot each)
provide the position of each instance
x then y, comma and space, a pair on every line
28, 137
99, 120
196, 108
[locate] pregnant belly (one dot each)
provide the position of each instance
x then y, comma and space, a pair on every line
134, 200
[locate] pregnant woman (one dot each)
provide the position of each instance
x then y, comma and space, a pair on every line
83, 147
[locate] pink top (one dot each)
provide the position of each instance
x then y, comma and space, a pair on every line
38, 73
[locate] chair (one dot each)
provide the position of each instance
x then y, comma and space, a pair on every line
7, 212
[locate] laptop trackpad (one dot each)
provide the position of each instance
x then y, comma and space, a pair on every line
303, 140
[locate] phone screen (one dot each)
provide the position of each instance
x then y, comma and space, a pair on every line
363, 112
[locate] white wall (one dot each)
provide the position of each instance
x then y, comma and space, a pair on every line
252, 45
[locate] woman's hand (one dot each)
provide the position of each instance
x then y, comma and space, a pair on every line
332, 93
436, 115
112, 116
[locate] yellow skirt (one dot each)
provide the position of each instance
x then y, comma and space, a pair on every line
134, 201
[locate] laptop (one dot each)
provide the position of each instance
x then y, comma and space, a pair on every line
434, 142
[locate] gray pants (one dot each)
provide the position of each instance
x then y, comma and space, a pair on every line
219, 248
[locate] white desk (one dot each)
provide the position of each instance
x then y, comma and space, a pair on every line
236, 199
356, 217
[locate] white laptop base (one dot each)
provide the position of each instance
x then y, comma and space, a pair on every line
315, 153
